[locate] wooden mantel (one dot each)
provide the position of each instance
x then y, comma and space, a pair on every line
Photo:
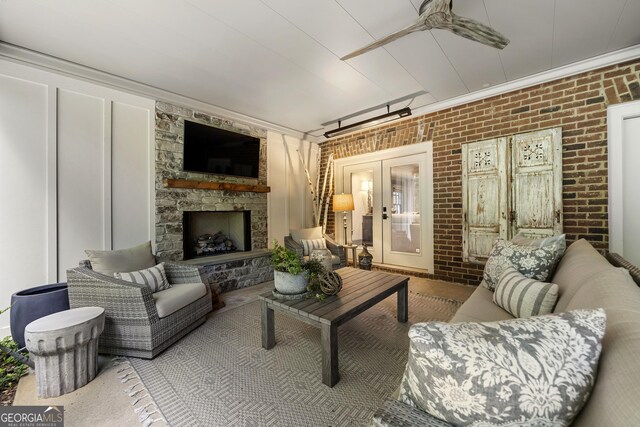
208, 185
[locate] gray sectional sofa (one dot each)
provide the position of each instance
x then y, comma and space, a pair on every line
586, 280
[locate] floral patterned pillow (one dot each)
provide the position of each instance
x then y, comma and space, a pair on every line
534, 263
536, 371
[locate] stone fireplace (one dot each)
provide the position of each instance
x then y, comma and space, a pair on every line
210, 233
185, 214
173, 203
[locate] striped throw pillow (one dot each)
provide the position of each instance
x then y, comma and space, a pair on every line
154, 277
309, 245
524, 297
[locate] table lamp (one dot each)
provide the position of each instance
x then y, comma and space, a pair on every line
343, 203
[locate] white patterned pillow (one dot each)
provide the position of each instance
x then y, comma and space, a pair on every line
309, 245
154, 277
534, 263
524, 297
536, 371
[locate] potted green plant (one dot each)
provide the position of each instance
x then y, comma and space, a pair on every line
291, 276
13, 365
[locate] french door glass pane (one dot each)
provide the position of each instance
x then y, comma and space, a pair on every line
405, 208
362, 216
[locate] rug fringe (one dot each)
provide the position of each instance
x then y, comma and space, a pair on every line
135, 402
148, 413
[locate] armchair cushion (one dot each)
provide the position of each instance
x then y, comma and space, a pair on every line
309, 245
153, 277
178, 296
306, 234
122, 260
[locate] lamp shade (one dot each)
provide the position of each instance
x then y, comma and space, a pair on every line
342, 202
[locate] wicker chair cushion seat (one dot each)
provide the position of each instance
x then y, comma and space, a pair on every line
178, 296
123, 260
306, 234
335, 259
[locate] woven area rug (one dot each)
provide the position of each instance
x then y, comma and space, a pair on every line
219, 375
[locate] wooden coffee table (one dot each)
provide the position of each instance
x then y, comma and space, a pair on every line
361, 290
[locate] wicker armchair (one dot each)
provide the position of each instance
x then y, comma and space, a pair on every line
337, 251
132, 325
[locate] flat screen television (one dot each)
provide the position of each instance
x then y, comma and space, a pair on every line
212, 150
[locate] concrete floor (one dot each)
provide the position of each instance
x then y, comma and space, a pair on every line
103, 401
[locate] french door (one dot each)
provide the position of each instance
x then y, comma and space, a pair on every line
403, 211
393, 199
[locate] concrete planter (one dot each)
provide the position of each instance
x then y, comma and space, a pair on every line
288, 284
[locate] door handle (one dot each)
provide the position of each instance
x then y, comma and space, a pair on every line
384, 212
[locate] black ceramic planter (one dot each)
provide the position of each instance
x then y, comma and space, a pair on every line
34, 303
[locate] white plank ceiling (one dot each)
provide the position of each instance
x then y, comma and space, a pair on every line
278, 60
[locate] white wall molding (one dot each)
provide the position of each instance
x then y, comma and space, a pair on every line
48, 63
52, 184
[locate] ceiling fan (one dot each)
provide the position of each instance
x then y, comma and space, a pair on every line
438, 14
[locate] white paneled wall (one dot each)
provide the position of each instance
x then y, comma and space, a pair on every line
81, 183
131, 164
290, 199
23, 187
76, 173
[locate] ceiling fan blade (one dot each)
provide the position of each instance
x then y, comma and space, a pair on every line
477, 31
385, 40
438, 5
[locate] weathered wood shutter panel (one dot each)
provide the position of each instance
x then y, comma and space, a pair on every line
536, 187
510, 185
484, 202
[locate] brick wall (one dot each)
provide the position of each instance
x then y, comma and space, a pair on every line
577, 103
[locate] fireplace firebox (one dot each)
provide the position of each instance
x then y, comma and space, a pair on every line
210, 233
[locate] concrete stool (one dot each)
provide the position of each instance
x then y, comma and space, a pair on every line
64, 347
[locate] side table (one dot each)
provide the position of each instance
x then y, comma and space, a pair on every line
353, 249
64, 347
